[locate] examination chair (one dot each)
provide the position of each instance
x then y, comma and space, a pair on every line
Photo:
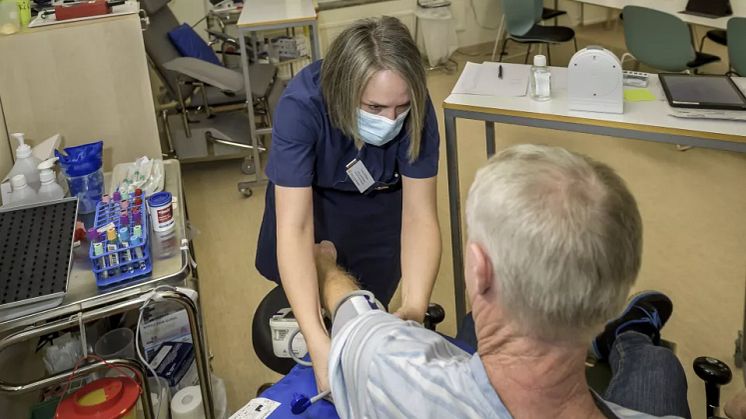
203, 106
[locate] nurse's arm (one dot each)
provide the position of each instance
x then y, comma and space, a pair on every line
295, 258
420, 246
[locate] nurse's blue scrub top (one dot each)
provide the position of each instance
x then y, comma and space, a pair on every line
307, 150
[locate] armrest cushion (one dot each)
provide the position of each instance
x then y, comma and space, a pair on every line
214, 75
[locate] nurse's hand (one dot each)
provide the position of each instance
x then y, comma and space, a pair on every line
416, 313
319, 350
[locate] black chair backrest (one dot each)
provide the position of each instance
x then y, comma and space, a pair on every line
158, 46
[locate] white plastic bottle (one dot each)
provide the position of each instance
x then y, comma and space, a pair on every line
540, 80
49, 190
26, 164
22, 193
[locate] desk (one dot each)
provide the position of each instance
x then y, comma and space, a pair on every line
262, 15
672, 7
647, 121
84, 302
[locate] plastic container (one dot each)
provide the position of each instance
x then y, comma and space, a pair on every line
117, 343
111, 398
540, 80
161, 212
49, 190
115, 260
22, 193
10, 22
85, 178
26, 164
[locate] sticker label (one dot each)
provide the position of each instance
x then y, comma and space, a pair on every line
359, 175
258, 408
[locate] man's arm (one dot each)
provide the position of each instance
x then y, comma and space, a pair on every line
334, 283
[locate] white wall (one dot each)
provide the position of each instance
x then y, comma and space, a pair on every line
468, 30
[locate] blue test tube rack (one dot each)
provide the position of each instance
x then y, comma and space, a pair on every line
128, 265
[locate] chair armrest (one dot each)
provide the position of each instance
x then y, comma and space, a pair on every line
214, 75
222, 36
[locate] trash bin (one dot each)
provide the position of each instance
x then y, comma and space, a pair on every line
437, 30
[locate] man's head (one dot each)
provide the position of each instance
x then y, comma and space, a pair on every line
555, 242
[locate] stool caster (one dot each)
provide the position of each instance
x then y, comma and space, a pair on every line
245, 189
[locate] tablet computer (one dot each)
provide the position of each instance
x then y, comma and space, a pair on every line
703, 92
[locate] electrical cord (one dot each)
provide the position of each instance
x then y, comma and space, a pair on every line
292, 353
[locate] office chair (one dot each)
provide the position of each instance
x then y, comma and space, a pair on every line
661, 40
717, 36
737, 45
521, 20
202, 107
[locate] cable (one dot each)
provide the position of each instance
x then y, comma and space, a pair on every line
292, 353
152, 296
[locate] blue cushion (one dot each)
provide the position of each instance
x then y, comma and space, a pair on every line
189, 44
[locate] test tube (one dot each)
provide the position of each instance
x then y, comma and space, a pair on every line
124, 205
117, 196
137, 242
99, 262
124, 238
111, 247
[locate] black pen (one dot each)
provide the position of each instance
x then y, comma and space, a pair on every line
500, 72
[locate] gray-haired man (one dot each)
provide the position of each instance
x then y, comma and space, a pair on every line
554, 245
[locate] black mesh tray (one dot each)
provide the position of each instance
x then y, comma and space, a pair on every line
36, 243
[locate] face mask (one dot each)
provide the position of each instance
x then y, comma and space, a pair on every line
378, 130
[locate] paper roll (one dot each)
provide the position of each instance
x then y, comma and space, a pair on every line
187, 404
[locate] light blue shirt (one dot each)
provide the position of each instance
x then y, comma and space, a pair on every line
383, 367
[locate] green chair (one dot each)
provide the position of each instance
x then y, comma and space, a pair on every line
661, 40
521, 19
737, 45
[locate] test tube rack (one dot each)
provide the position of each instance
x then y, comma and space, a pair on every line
112, 267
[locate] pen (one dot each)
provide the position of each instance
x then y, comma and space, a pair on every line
500, 72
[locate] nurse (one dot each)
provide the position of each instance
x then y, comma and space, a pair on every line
353, 160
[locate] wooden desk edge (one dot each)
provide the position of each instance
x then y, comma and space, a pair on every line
275, 22
600, 123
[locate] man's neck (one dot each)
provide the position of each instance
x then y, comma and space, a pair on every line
534, 378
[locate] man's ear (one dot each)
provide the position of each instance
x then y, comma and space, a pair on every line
481, 268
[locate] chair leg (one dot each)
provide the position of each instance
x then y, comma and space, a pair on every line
702, 43
500, 33
502, 51
549, 55
528, 52
575, 42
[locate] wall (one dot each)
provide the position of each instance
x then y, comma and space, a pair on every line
469, 30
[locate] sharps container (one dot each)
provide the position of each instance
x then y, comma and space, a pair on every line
109, 398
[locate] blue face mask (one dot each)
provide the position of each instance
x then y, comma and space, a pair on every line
378, 130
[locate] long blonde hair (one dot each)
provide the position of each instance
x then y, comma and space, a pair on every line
360, 51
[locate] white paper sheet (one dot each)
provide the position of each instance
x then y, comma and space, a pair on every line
482, 79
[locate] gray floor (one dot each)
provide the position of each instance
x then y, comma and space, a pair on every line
693, 205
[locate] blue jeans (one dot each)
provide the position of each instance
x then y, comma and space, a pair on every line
646, 378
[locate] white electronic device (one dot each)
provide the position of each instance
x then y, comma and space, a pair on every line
595, 81
283, 325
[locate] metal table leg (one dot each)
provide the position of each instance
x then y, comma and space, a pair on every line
454, 197
489, 131
250, 106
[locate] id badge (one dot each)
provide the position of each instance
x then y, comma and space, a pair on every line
360, 175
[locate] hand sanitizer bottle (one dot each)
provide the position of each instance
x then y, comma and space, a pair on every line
540, 84
26, 163
49, 190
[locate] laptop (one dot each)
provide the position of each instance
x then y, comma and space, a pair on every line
708, 8
702, 92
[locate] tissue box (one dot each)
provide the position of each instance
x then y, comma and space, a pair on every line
173, 362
